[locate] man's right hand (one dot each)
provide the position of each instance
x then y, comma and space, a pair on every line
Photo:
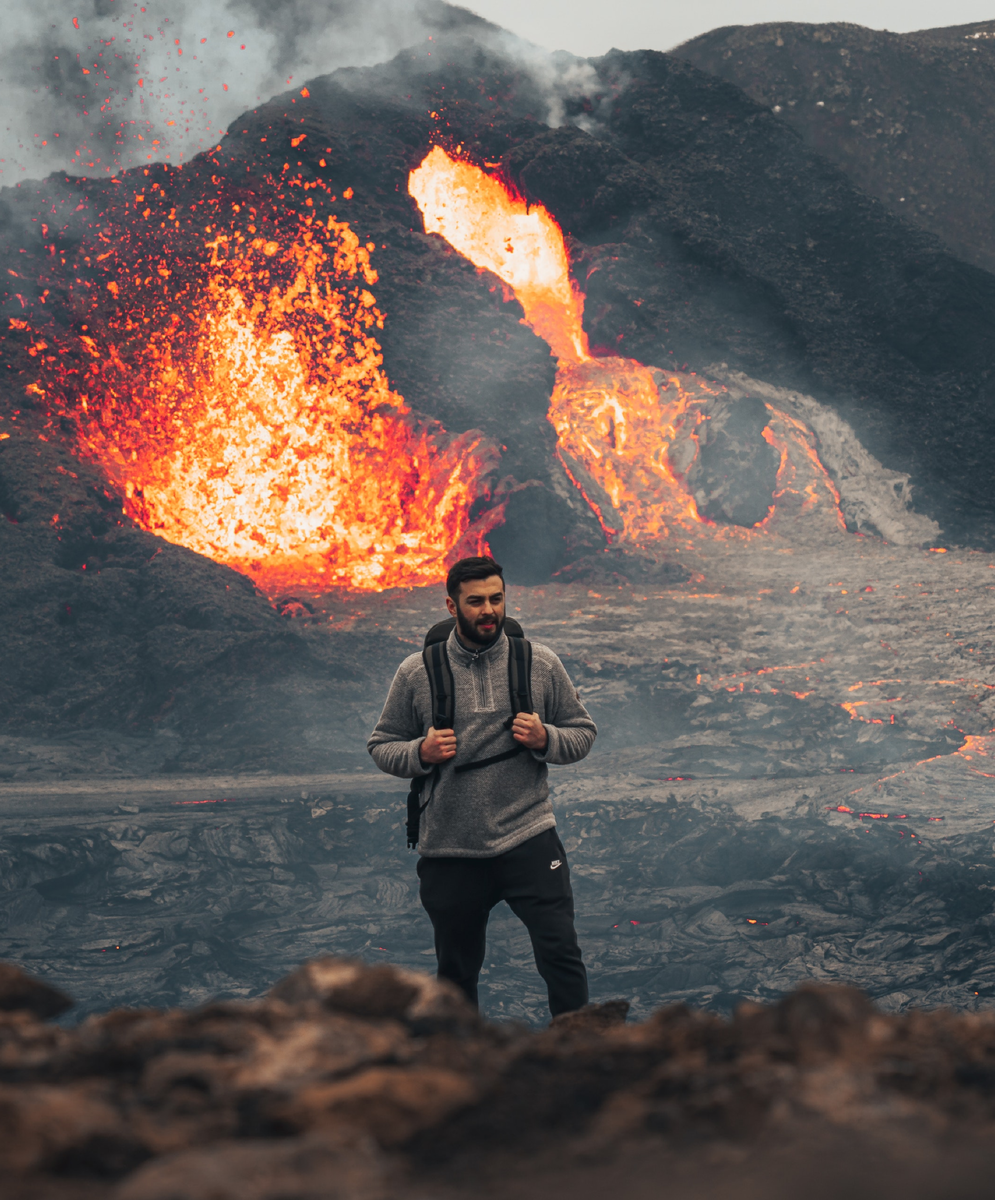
438, 747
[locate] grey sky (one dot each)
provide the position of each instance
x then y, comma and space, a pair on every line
590, 27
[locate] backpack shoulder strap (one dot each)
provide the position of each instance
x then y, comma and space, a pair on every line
520, 675
440, 682
440, 631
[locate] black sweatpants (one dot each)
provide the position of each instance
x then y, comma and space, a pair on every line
459, 893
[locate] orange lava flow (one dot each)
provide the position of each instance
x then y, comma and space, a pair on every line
522, 245
979, 746
261, 430
801, 475
626, 432
614, 429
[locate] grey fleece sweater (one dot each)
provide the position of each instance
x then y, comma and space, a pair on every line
478, 814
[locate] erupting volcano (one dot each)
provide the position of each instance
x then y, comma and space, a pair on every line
225, 371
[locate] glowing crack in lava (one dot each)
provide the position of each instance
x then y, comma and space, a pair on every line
626, 432
263, 433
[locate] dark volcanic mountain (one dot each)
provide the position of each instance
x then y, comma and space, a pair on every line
910, 117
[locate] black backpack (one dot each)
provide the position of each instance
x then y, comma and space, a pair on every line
440, 682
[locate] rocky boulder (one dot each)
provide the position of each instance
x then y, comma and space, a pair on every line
732, 472
22, 993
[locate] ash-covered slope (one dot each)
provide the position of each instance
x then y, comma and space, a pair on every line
908, 116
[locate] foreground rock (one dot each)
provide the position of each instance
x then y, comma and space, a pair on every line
20, 993
358, 1082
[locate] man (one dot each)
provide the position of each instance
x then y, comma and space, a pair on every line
489, 834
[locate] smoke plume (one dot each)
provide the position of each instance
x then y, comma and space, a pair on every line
109, 84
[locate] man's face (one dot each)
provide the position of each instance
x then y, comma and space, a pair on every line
480, 611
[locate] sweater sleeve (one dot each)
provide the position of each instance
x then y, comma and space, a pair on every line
397, 738
568, 724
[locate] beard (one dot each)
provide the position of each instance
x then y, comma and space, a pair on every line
470, 632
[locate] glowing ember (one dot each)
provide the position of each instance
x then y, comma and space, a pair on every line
487, 223
260, 429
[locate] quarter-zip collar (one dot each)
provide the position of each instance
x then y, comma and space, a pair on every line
479, 654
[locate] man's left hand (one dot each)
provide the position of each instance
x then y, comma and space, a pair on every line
530, 732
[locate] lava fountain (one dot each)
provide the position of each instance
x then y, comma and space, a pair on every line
626, 432
481, 218
243, 411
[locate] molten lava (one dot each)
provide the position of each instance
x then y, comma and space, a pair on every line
522, 245
621, 426
287, 460
612, 425
220, 359
258, 427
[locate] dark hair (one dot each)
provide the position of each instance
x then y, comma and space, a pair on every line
471, 568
